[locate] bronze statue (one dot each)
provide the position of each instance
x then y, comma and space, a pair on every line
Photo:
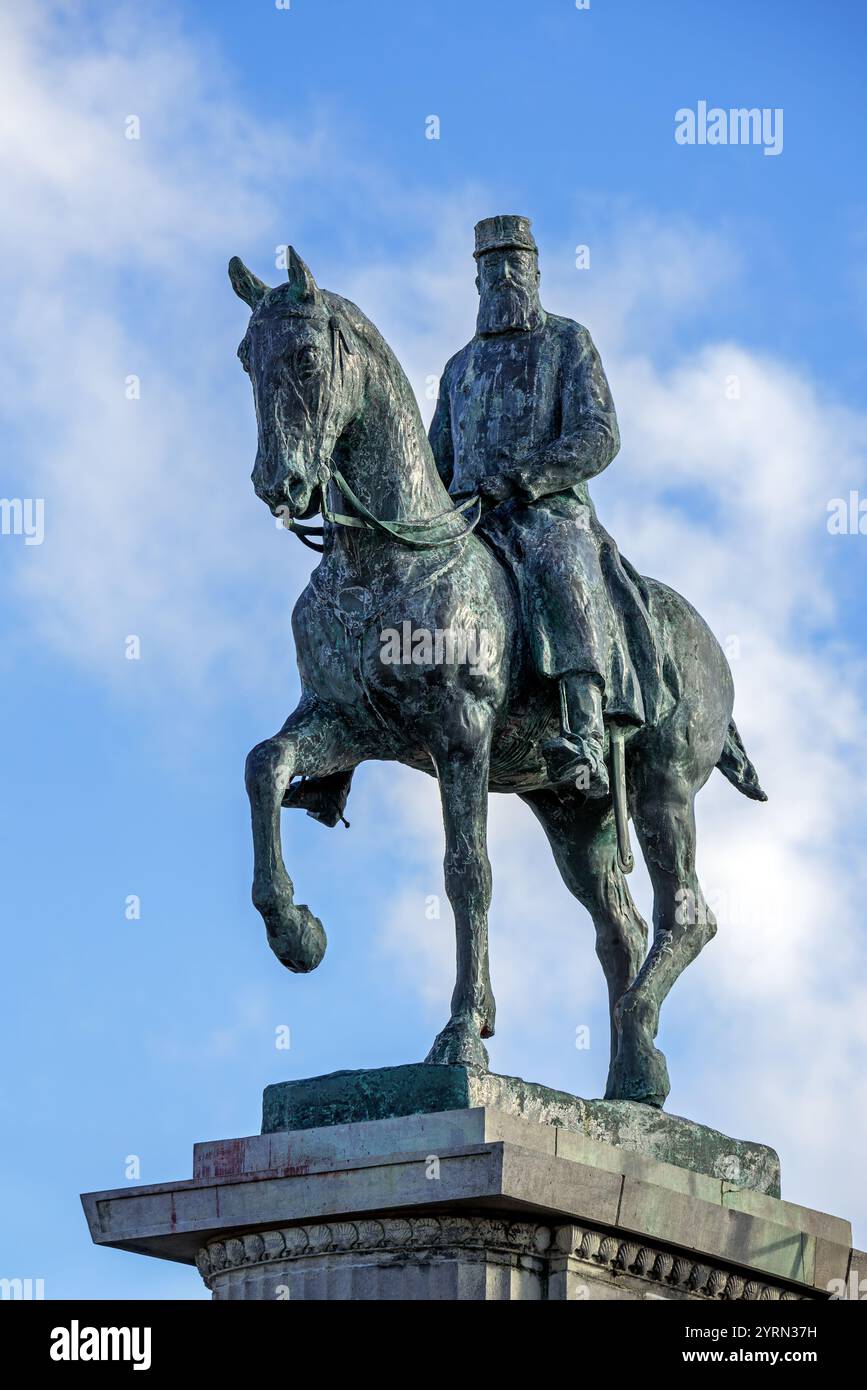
525, 418
601, 695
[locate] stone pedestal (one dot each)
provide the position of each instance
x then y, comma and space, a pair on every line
474, 1203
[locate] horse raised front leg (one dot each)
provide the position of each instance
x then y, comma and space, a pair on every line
313, 741
462, 769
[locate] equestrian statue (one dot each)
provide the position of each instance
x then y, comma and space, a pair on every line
541, 662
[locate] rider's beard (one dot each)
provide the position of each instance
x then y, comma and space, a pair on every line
509, 308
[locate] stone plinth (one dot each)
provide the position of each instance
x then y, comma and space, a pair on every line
469, 1204
345, 1097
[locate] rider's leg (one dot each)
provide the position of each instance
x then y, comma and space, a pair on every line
566, 611
576, 755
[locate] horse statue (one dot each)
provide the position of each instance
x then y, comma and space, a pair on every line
339, 432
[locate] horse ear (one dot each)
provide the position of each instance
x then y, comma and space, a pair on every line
246, 285
303, 287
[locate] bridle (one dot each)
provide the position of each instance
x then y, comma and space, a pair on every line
410, 533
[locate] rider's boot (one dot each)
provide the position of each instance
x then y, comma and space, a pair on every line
577, 754
323, 798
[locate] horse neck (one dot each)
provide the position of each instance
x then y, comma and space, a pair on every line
384, 454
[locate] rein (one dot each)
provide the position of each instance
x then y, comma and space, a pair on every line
409, 533
406, 532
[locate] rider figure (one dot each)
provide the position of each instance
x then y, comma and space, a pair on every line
524, 418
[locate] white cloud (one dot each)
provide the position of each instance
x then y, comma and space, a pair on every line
117, 251
151, 527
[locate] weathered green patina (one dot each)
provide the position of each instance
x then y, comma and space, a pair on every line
347, 1097
600, 695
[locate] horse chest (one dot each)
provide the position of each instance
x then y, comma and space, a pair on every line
337, 626
327, 638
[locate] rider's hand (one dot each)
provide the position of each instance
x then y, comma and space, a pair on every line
496, 488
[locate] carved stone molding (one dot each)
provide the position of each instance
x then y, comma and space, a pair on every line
665, 1267
596, 1250
388, 1234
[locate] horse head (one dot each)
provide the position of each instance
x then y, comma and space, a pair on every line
299, 353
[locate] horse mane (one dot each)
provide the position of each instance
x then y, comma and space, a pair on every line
356, 324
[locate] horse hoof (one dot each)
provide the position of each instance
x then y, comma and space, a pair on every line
295, 935
645, 1081
459, 1045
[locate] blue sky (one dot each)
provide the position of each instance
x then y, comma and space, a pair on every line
709, 265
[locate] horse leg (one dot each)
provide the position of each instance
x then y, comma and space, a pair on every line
462, 770
664, 819
583, 837
312, 741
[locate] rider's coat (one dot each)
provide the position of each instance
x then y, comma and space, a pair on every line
533, 407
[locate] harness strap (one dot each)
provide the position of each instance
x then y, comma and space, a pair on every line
366, 521
397, 530
305, 532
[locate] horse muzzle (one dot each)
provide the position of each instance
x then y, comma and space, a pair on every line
283, 491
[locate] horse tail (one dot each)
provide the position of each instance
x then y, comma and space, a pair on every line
736, 766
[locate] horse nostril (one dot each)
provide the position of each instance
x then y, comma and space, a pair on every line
285, 495
293, 486
278, 485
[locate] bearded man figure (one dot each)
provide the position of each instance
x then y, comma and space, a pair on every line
524, 419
